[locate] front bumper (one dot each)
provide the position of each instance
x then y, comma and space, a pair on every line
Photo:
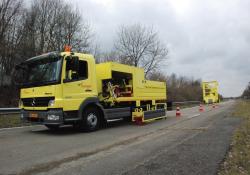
43, 117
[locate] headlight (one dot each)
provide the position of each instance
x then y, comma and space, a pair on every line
51, 103
53, 117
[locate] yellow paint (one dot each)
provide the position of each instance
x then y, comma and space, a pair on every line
142, 89
210, 92
153, 119
139, 113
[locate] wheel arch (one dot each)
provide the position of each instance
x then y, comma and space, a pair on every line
91, 101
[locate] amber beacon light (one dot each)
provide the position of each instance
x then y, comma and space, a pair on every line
67, 48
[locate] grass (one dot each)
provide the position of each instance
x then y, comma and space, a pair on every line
238, 158
11, 120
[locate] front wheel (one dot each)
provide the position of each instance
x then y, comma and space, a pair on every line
91, 119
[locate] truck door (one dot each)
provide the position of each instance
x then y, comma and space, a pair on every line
76, 85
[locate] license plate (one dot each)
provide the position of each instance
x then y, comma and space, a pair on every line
33, 115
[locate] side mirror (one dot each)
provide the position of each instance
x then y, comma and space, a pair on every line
18, 74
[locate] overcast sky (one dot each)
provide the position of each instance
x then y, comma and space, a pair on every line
207, 39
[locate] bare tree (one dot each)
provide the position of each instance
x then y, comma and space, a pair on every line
109, 56
10, 37
157, 76
183, 88
140, 46
10, 11
52, 24
246, 92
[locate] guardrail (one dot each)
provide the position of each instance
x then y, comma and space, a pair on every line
187, 102
10, 110
173, 105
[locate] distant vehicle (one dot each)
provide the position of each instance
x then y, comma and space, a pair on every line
60, 88
210, 92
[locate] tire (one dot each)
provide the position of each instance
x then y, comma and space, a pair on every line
52, 127
91, 120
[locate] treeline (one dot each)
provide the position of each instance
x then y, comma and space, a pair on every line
246, 92
180, 88
184, 88
41, 26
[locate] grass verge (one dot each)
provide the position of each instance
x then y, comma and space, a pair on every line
10, 120
238, 158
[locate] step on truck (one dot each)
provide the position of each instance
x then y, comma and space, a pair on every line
67, 88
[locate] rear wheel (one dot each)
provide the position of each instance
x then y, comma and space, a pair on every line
91, 119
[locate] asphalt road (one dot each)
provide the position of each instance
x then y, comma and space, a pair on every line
194, 143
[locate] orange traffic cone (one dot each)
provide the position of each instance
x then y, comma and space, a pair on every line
178, 112
201, 109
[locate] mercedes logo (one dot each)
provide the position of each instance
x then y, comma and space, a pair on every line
33, 102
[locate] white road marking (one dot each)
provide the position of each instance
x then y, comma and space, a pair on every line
114, 120
195, 115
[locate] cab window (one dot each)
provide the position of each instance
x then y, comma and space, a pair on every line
83, 69
77, 73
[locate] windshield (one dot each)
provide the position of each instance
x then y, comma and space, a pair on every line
42, 72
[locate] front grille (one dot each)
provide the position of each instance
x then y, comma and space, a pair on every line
37, 101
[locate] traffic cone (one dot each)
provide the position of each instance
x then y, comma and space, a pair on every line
201, 109
178, 112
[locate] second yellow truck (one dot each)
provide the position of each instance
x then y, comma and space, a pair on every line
210, 92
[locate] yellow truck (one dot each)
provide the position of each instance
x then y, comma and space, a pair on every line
67, 88
210, 92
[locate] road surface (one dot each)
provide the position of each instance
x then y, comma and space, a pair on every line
194, 143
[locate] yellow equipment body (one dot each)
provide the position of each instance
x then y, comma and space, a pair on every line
210, 92
70, 88
132, 80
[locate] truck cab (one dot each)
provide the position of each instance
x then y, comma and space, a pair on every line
54, 84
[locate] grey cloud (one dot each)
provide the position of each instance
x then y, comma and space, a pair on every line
207, 39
